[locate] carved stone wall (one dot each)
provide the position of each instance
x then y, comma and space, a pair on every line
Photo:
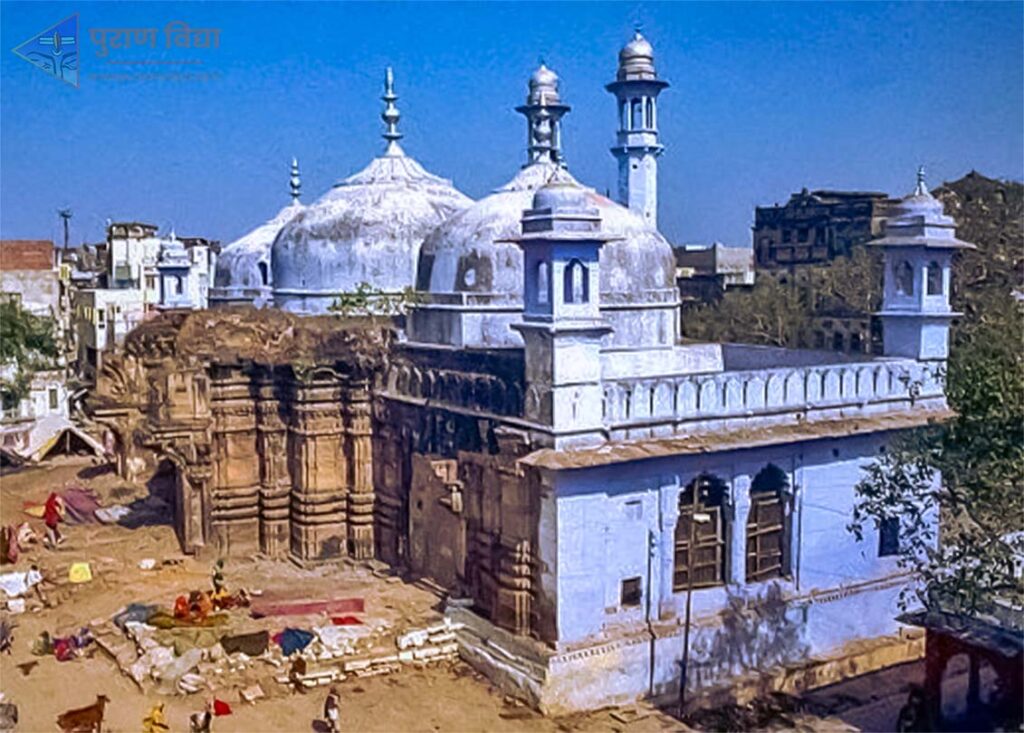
309, 453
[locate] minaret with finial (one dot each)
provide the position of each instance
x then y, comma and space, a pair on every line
295, 182
636, 89
391, 115
544, 111
918, 248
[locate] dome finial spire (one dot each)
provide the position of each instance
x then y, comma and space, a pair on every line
295, 182
391, 114
922, 189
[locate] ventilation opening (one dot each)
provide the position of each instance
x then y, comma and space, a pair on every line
631, 592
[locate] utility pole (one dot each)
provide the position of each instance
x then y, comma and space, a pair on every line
66, 215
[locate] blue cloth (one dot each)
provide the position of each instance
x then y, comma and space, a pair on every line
294, 640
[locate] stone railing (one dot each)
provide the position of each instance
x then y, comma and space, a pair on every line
657, 406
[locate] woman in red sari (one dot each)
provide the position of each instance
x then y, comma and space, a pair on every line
53, 514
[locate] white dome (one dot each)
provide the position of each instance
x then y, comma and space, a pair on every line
471, 251
368, 228
243, 266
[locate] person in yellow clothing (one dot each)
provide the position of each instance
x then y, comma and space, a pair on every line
156, 721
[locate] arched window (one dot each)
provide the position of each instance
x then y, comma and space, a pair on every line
700, 534
934, 278
766, 525
856, 344
837, 341
904, 278
264, 272
650, 114
575, 282
543, 284
623, 116
636, 112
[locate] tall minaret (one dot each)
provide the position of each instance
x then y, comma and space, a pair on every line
918, 248
636, 89
391, 115
295, 182
543, 111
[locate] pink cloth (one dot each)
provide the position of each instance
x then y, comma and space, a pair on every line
302, 608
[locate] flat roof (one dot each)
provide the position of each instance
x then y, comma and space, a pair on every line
715, 442
26, 254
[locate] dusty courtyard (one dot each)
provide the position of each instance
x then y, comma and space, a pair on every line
447, 696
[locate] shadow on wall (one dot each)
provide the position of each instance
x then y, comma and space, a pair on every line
757, 632
157, 507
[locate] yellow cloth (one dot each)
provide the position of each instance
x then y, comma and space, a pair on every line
80, 572
155, 722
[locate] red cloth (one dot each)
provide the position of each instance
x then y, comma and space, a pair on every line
64, 649
346, 621
265, 607
51, 512
181, 607
220, 707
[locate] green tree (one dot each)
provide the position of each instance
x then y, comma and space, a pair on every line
980, 456
27, 344
770, 313
367, 300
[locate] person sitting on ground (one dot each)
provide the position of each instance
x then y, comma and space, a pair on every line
295, 674
332, 709
217, 578
202, 722
181, 611
53, 515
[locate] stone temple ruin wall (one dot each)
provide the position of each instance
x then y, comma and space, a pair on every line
409, 457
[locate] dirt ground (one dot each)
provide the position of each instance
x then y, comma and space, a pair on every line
443, 698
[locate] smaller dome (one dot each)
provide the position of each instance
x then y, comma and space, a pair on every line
544, 87
920, 202
560, 195
636, 59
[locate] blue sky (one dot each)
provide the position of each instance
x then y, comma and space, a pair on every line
765, 99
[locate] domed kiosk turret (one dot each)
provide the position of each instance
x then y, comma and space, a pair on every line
470, 274
367, 229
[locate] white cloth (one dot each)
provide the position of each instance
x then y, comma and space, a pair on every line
17, 584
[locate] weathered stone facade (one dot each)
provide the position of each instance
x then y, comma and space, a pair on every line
312, 438
270, 457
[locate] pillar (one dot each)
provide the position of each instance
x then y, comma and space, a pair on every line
360, 494
737, 568
318, 467
235, 500
275, 481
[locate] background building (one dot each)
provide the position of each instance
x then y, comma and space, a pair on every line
816, 226
704, 272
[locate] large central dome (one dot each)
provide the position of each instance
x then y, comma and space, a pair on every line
470, 274
472, 253
367, 229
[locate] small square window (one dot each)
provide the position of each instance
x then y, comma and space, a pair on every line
631, 592
889, 537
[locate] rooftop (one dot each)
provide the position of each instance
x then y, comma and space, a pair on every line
26, 254
714, 441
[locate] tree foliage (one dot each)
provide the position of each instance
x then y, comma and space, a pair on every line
367, 300
980, 452
979, 455
27, 344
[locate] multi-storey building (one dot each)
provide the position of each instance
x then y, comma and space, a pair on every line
817, 226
